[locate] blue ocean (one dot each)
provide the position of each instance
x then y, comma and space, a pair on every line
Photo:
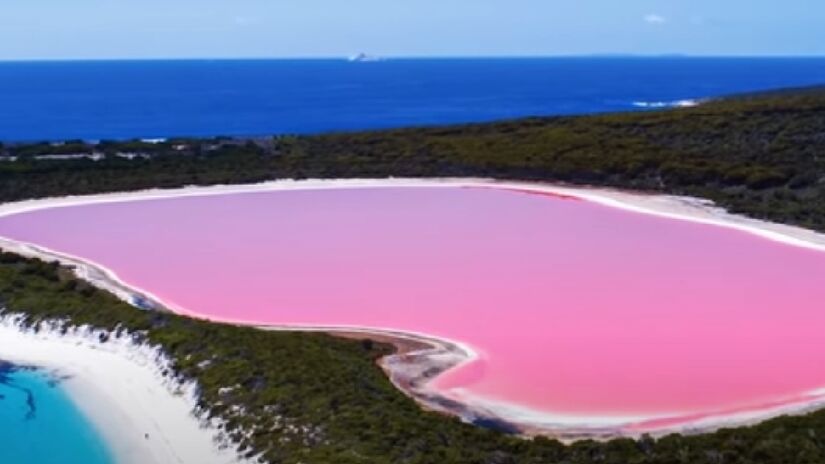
40, 424
147, 99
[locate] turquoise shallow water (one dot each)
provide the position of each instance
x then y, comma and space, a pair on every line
39, 424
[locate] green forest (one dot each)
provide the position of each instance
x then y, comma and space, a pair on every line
312, 398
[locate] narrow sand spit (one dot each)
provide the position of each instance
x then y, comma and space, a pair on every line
420, 357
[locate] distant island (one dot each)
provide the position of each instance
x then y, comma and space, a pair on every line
364, 58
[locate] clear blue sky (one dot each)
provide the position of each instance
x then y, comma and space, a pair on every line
64, 29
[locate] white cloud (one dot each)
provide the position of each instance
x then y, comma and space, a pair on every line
653, 18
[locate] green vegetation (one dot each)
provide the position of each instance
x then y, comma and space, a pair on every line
761, 155
312, 398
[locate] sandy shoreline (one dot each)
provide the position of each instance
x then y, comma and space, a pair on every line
144, 416
422, 357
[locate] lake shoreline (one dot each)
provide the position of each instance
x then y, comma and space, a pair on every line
421, 357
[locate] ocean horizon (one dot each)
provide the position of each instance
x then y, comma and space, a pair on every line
93, 100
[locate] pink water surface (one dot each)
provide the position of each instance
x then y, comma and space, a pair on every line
574, 308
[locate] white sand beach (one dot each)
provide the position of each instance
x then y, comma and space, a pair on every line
144, 417
140, 401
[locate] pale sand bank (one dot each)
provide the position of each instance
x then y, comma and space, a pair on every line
412, 368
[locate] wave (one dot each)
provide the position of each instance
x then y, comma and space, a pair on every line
687, 103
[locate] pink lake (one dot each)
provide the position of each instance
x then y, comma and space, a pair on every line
575, 309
